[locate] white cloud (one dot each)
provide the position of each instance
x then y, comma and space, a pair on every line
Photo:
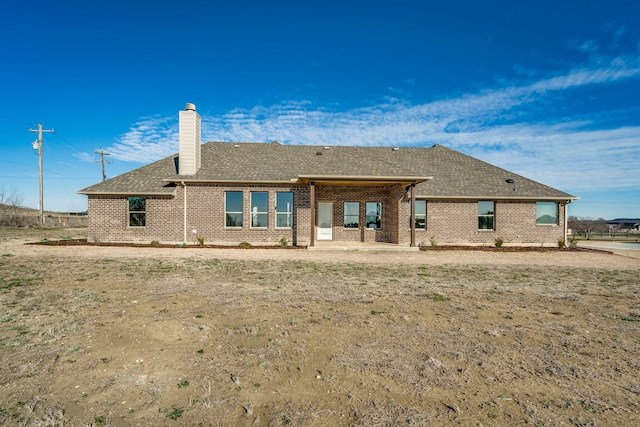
563, 154
149, 139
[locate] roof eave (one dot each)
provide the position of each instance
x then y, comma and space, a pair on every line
227, 181
567, 198
127, 193
404, 181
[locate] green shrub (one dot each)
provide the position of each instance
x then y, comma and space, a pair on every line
561, 243
573, 242
283, 242
155, 243
245, 245
433, 241
499, 242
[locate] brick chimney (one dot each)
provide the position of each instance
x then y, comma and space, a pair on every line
189, 141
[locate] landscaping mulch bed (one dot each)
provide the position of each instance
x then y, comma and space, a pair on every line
85, 242
511, 249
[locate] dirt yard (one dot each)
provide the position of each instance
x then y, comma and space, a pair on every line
116, 336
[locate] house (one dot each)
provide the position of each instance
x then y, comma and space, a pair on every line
227, 193
624, 224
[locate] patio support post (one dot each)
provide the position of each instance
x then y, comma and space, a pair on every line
413, 215
312, 197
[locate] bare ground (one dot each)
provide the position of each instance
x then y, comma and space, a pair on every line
185, 336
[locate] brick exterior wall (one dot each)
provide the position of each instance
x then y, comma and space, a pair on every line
108, 217
456, 223
449, 222
206, 214
388, 232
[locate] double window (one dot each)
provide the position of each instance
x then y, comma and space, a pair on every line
374, 214
547, 213
351, 214
486, 215
137, 211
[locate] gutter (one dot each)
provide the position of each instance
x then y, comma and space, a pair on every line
496, 197
370, 178
184, 214
126, 193
229, 181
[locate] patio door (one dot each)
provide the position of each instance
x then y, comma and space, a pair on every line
324, 225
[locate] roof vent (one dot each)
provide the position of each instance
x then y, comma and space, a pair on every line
395, 149
510, 181
325, 147
190, 107
236, 145
318, 153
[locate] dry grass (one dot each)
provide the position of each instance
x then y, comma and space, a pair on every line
194, 340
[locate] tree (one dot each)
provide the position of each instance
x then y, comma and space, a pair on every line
11, 200
586, 226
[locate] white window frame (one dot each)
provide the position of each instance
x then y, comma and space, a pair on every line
227, 212
378, 215
255, 213
491, 215
424, 215
143, 212
288, 214
344, 216
542, 205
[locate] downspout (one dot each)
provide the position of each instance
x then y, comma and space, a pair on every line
566, 222
413, 215
312, 197
184, 214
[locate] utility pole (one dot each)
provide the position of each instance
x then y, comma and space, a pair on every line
102, 154
38, 145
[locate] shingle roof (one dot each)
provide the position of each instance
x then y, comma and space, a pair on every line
454, 174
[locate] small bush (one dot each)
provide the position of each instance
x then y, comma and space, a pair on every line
283, 242
245, 245
155, 243
175, 413
200, 240
433, 241
573, 242
499, 242
561, 243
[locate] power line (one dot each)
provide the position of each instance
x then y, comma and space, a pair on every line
16, 120
75, 147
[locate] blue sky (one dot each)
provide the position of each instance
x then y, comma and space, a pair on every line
548, 90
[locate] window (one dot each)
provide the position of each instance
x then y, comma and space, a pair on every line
137, 211
421, 214
486, 216
259, 209
233, 208
284, 210
546, 213
351, 215
374, 215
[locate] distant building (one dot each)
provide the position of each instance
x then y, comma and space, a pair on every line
228, 193
624, 224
